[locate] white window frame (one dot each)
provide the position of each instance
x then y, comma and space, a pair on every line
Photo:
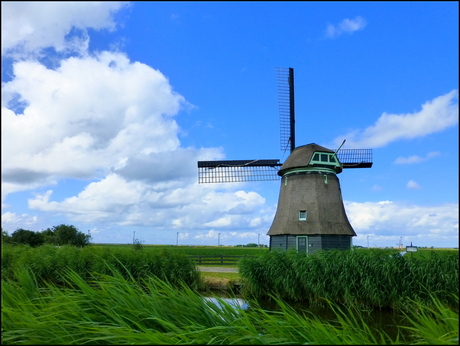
302, 215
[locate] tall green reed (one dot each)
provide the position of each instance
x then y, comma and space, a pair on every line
113, 309
49, 262
435, 324
356, 278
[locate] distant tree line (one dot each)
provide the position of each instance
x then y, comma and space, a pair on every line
57, 235
251, 245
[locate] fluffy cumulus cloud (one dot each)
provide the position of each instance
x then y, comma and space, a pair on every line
436, 115
28, 27
165, 206
90, 117
109, 121
346, 26
390, 220
105, 120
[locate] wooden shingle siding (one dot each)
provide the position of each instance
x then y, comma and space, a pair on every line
315, 243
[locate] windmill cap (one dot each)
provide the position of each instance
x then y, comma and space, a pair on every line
301, 156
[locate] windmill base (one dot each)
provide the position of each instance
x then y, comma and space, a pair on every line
310, 244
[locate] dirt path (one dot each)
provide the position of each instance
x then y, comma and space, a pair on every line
218, 269
218, 283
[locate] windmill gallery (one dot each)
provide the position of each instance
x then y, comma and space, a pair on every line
310, 215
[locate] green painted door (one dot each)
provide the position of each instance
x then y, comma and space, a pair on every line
302, 244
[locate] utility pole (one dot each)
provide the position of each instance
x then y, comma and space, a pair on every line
177, 240
218, 239
258, 242
368, 242
134, 237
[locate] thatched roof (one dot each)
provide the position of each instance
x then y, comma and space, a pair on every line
301, 156
321, 201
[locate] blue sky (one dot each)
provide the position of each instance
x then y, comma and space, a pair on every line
108, 106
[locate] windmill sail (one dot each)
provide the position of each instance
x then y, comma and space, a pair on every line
285, 86
230, 171
355, 158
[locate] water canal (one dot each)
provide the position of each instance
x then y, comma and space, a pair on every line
379, 320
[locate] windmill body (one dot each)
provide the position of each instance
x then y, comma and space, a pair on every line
310, 215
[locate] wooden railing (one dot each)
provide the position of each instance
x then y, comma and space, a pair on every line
216, 260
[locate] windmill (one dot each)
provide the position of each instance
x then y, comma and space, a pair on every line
310, 215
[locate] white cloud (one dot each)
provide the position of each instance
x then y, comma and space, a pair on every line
183, 235
257, 221
170, 205
345, 26
408, 160
432, 154
388, 218
413, 185
436, 115
28, 27
18, 221
209, 235
415, 158
221, 222
91, 116
9, 217
376, 188
109, 121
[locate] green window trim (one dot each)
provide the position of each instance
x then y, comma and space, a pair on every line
322, 159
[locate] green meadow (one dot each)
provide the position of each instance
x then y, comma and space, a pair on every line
194, 250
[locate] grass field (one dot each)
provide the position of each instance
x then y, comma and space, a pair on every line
195, 250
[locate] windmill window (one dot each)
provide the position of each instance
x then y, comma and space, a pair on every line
332, 158
316, 157
302, 215
324, 158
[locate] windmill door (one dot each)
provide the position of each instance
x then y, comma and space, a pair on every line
302, 244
